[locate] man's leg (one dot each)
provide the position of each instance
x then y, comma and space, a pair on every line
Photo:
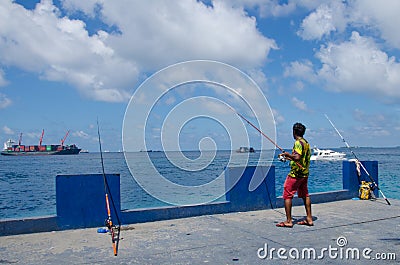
288, 210
307, 205
288, 193
303, 193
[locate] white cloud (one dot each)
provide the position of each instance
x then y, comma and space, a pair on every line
278, 117
380, 15
170, 100
325, 19
299, 85
301, 105
301, 70
85, 136
275, 8
81, 134
4, 101
377, 17
88, 6
265, 8
60, 49
157, 33
359, 65
3, 80
150, 35
8, 131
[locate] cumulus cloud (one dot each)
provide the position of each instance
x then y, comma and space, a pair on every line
381, 16
81, 134
301, 70
266, 8
325, 19
3, 80
359, 65
278, 117
145, 36
8, 131
60, 49
275, 8
4, 101
299, 104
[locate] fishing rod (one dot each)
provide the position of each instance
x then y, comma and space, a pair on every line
283, 159
358, 161
108, 222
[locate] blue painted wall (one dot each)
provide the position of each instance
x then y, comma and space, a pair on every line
351, 181
80, 199
241, 196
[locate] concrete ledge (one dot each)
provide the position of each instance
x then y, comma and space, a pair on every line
173, 212
45, 224
319, 197
28, 225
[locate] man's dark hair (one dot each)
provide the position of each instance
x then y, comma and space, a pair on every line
299, 129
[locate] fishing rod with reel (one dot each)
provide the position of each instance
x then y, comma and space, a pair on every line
115, 235
358, 161
281, 157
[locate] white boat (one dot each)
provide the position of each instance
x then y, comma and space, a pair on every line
327, 155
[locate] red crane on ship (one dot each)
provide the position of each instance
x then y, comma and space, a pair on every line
65, 137
41, 138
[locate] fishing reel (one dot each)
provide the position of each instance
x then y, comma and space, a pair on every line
372, 186
108, 223
282, 158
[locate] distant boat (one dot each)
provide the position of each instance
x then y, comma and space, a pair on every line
327, 155
84, 151
245, 150
13, 149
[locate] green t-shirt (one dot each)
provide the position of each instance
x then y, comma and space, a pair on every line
302, 148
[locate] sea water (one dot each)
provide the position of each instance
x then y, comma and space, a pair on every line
27, 183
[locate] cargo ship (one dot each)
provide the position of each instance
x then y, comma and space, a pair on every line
13, 149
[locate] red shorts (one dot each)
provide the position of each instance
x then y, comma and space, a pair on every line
293, 185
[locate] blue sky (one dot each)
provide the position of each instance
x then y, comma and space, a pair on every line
65, 63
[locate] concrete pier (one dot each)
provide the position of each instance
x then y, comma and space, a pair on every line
369, 229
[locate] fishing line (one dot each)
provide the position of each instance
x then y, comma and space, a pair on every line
269, 194
109, 223
281, 158
358, 161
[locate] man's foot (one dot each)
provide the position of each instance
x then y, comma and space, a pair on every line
305, 222
285, 225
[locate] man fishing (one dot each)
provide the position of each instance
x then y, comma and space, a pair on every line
297, 179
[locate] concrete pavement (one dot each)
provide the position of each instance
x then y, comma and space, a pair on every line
345, 232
